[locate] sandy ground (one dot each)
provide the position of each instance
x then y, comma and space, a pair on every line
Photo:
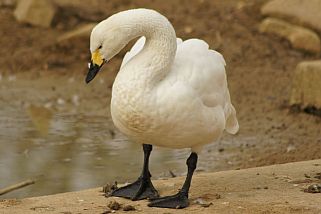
271, 189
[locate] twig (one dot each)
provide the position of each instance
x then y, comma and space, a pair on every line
16, 186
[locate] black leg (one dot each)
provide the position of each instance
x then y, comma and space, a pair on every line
142, 188
179, 200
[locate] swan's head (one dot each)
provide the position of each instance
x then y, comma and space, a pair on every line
106, 40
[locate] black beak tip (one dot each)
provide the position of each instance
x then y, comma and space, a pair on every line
88, 80
93, 70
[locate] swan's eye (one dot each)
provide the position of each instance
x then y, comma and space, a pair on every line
100, 47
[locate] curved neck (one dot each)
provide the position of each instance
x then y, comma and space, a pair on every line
159, 50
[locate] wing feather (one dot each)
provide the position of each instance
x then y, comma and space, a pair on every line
203, 70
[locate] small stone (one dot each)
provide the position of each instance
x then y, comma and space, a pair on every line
307, 176
108, 188
314, 188
290, 148
114, 205
61, 101
68, 160
217, 196
35, 12
172, 174
306, 90
306, 12
318, 176
129, 208
7, 3
299, 37
202, 202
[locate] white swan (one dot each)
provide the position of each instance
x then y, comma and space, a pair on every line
167, 93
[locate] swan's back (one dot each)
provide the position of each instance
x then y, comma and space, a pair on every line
203, 70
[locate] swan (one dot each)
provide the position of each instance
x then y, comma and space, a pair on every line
168, 92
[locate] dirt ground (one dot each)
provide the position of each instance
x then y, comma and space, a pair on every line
270, 189
259, 68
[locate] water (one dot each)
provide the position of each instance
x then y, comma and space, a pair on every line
67, 152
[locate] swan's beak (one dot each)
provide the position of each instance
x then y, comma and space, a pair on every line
93, 70
94, 66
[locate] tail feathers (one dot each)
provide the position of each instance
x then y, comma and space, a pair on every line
232, 125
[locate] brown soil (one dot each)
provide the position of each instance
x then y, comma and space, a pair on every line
259, 68
271, 189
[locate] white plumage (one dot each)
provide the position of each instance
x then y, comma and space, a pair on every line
168, 92
198, 100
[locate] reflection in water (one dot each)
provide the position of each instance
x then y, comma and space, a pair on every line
71, 152
41, 118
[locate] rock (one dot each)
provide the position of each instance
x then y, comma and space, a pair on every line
35, 12
114, 205
314, 188
306, 90
203, 202
303, 12
299, 37
129, 208
82, 31
109, 188
7, 3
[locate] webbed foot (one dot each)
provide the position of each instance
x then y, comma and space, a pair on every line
177, 201
140, 189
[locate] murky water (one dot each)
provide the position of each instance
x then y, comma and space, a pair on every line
72, 152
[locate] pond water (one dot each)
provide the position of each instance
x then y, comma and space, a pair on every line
67, 152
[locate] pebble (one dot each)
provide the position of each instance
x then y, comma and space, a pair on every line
305, 90
67, 160
290, 148
7, 3
202, 202
314, 188
114, 205
108, 188
129, 208
61, 101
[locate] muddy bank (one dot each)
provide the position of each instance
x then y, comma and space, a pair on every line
271, 189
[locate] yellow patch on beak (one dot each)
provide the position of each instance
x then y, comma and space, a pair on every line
96, 58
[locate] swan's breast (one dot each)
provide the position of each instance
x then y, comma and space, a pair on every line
129, 112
